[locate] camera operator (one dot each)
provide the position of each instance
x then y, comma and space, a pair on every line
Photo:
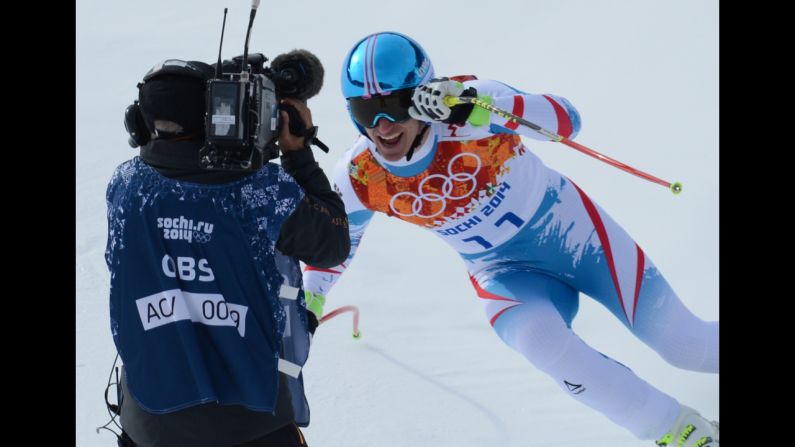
206, 301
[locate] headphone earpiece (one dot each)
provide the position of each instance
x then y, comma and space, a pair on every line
135, 125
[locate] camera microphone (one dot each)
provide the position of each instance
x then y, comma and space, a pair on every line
254, 6
220, 46
298, 74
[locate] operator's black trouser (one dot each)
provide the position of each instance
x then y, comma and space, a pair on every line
288, 436
210, 425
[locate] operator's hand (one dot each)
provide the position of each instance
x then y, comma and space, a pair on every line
428, 102
287, 140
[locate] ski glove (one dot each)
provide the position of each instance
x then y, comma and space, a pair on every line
314, 303
428, 102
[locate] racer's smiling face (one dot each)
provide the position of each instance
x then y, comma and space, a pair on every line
393, 139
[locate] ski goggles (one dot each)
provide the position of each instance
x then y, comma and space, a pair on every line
393, 106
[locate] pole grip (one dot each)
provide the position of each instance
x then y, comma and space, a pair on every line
451, 101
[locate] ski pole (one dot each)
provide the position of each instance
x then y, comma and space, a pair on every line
339, 310
450, 101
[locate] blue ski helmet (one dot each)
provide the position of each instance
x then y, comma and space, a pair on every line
383, 62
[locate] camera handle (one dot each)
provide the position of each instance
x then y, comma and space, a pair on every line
299, 129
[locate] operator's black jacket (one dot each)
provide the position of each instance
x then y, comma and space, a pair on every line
316, 232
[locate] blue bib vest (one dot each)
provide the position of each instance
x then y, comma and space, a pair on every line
203, 307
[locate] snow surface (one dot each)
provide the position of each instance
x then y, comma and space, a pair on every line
429, 371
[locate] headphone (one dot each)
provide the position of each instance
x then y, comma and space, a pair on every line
136, 126
134, 121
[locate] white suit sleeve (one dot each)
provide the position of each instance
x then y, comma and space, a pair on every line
321, 280
551, 112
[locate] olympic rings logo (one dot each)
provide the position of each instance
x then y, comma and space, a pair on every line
201, 237
418, 200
